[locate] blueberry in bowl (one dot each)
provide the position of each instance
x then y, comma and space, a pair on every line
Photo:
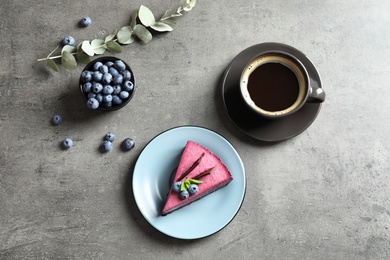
107, 83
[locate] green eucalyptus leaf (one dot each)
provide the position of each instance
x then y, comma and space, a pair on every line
146, 16
52, 65
169, 22
111, 36
124, 34
68, 60
87, 48
82, 57
98, 46
129, 41
133, 19
69, 48
161, 27
114, 47
142, 33
188, 5
192, 3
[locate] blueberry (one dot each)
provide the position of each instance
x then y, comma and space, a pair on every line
109, 64
91, 95
108, 89
176, 186
57, 119
119, 65
107, 104
107, 146
113, 71
68, 40
124, 95
107, 98
85, 21
99, 98
118, 79
107, 78
97, 76
128, 144
128, 86
103, 69
126, 75
117, 90
116, 100
92, 103
87, 87
86, 76
193, 189
184, 194
67, 143
97, 65
110, 136
97, 87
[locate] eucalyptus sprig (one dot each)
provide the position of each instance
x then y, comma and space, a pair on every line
143, 22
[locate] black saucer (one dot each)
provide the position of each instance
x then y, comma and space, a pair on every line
250, 123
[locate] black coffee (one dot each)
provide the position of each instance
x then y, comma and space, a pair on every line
273, 87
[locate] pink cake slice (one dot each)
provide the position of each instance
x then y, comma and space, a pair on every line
197, 159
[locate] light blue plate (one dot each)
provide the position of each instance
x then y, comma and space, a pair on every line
154, 168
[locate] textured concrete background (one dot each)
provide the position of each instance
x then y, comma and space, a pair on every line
321, 195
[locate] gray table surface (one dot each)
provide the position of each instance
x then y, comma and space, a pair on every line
323, 194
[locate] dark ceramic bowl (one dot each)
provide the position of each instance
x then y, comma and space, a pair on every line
89, 67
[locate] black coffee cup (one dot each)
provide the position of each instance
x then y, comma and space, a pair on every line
276, 84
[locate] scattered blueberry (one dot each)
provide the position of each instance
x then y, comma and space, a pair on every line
107, 146
184, 194
176, 186
85, 21
128, 144
92, 103
68, 40
67, 143
110, 136
57, 119
193, 189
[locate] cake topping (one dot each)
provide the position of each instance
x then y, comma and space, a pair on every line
196, 163
190, 186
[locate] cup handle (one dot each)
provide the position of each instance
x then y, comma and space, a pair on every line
316, 95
